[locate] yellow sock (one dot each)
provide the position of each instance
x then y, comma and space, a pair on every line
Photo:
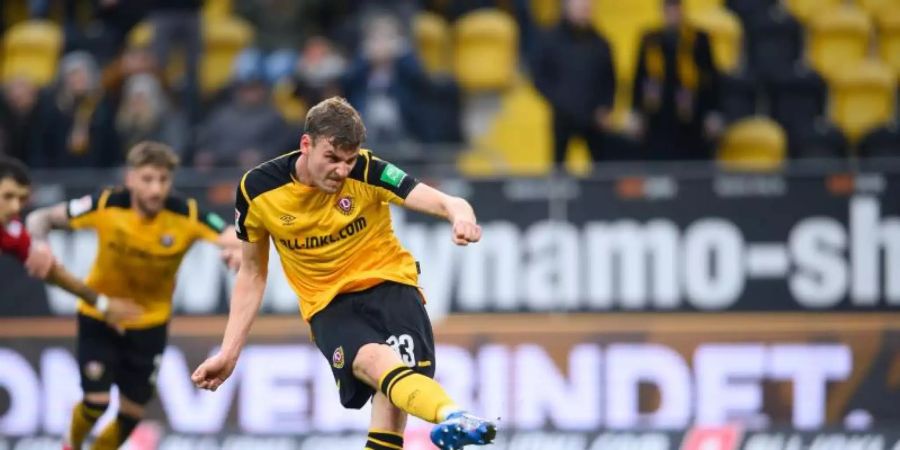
384, 440
416, 394
84, 416
115, 434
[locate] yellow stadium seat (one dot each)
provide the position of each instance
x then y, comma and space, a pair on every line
141, 35
876, 7
804, 10
546, 13
223, 39
838, 38
862, 97
218, 8
726, 34
695, 6
486, 50
753, 144
292, 109
623, 23
432, 34
889, 38
31, 49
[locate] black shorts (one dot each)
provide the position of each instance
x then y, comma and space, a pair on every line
130, 360
389, 313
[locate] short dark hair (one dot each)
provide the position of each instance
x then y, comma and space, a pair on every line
150, 153
15, 169
337, 121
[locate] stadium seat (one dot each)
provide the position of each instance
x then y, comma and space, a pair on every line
223, 40
774, 43
31, 49
796, 99
737, 96
486, 50
141, 35
862, 98
696, 6
546, 13
292, 109
726, 35
876, 7
821, 140
218, 8
882, 142
837, 38
889, 38
755, 144
623, 23
432, 34
805, 10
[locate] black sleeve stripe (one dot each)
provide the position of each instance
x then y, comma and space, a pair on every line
115, 198
241, 208
269, 175
178, 205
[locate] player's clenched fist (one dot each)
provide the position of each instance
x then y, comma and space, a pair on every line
213, 372
465, 231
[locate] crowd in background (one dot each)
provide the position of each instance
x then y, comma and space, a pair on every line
111, 93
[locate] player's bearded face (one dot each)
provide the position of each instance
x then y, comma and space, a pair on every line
330, 166
149, 185
13, 197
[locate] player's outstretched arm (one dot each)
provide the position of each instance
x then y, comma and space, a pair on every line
457, 211
43, 220
115, 310
246, 297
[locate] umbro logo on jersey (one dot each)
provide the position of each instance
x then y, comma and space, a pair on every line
287, 219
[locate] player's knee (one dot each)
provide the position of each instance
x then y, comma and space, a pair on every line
373, 360
130, 408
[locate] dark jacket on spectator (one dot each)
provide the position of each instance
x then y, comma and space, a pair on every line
675, 89
573, 70
52, 144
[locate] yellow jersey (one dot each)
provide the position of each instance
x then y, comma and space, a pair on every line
328, 243
138, 258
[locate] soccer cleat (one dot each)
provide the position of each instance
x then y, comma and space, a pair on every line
461, 429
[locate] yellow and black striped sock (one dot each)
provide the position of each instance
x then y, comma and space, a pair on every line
416, 394
84, 416
384, 440
116, 433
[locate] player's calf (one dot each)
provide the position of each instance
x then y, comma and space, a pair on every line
84, 415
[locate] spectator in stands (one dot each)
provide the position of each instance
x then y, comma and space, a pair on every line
146, 115
74, 125
573, 70
178, 22
133, 61
385, 83
675, 91
318, 71
17, 112
247, 128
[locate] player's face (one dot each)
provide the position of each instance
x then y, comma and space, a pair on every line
149, 186
13, 197
329, 166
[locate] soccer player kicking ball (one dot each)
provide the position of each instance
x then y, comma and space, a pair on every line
325, 207
15, 188
143, 232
